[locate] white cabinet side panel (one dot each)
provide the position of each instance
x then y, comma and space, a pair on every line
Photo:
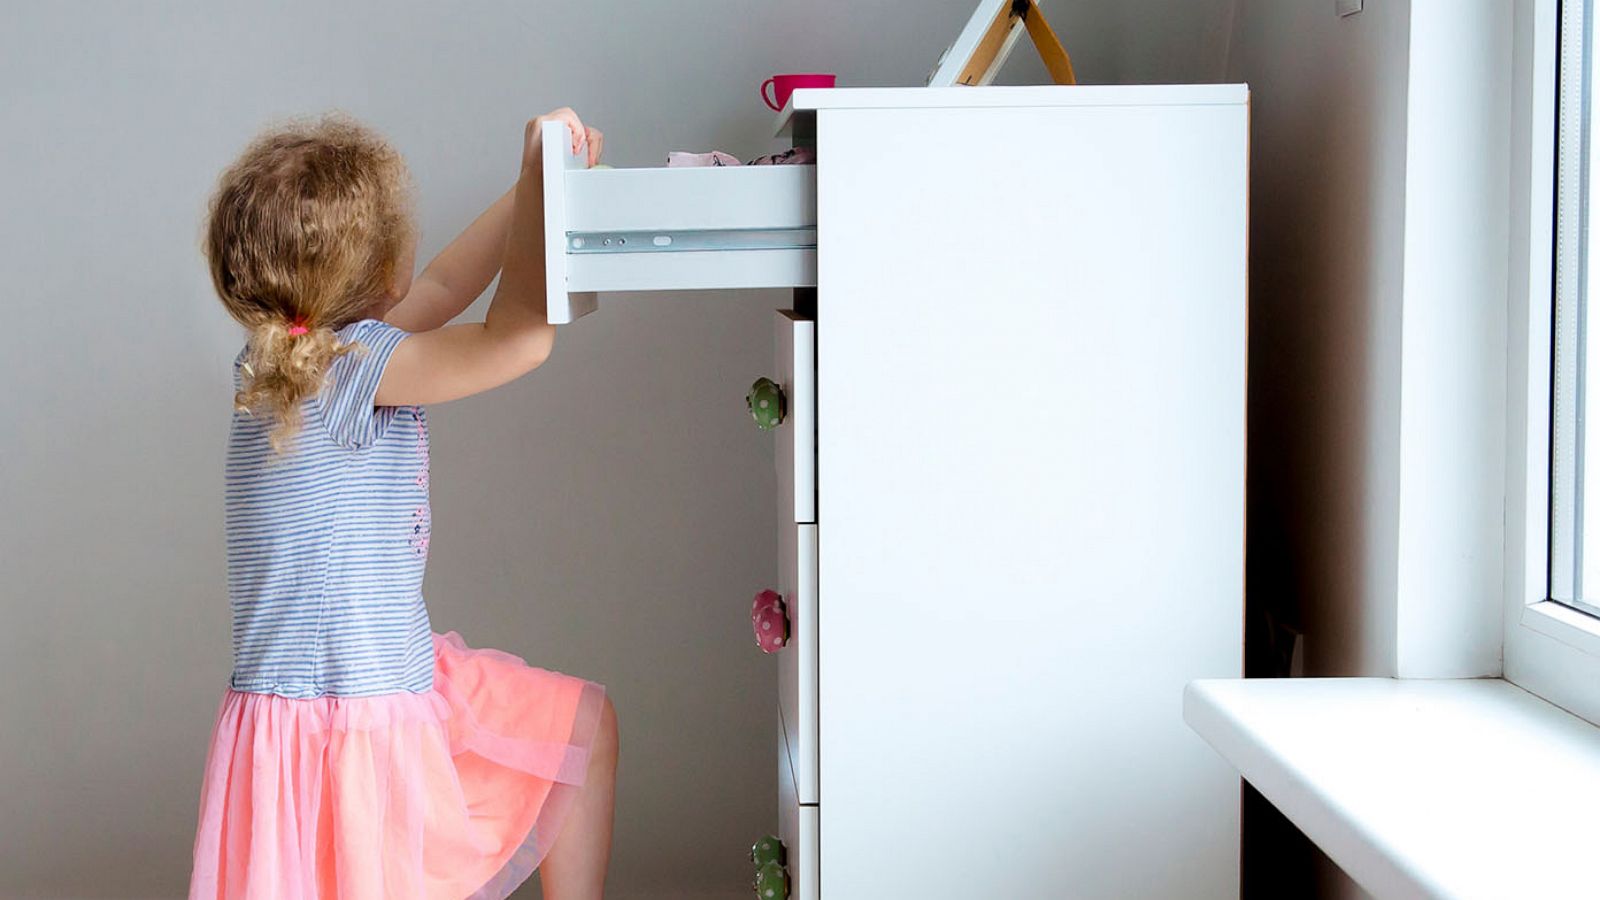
1031, 399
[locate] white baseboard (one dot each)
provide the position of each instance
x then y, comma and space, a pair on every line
530, 893
680, 895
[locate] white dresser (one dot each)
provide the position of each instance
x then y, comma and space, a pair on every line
1011, 470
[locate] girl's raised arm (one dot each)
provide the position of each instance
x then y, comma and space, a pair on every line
516, 336
461, 271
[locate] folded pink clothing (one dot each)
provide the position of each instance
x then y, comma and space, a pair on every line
679, 158
792, 157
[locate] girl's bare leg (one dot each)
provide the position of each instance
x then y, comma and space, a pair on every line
575, 868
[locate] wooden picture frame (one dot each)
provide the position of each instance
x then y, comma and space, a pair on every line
986, 42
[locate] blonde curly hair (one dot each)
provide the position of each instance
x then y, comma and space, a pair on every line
304, 234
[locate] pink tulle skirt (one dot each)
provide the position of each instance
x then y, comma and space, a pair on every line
454, 793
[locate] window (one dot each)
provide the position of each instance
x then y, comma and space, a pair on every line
1575, 406
1552, 553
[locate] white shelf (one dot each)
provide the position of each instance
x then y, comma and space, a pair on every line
1462, 788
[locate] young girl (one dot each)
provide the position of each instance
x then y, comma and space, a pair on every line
356, 752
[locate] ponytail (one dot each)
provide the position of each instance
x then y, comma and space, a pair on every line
285, 362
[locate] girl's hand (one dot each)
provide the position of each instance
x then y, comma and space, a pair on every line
581, 135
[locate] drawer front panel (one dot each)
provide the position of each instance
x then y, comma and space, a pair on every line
691, 198
798, 825
795, 344
797, 678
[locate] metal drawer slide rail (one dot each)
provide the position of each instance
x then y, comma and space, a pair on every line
680, 241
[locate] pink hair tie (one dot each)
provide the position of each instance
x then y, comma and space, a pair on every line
297, 328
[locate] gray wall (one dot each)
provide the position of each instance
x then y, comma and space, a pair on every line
1379, 198
608, 516
1327, 211
1328, 162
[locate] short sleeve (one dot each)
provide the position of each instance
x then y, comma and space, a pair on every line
348, 412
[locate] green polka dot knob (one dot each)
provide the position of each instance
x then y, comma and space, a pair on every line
768, 849
766, 403
772, 882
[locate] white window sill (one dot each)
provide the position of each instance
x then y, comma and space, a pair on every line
1465, 788
1565, 624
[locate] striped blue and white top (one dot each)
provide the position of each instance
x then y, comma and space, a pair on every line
327, 540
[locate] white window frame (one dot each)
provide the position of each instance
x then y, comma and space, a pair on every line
1550, 649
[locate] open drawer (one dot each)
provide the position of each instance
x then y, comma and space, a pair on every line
666, 229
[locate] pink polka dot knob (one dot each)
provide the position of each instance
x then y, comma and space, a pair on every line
770, 619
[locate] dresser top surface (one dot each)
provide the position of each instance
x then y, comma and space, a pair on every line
807, 101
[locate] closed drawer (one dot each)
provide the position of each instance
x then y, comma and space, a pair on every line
797, 672
795, 347
798, 829
663, 229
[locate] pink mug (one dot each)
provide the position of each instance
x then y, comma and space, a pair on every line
784, 85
